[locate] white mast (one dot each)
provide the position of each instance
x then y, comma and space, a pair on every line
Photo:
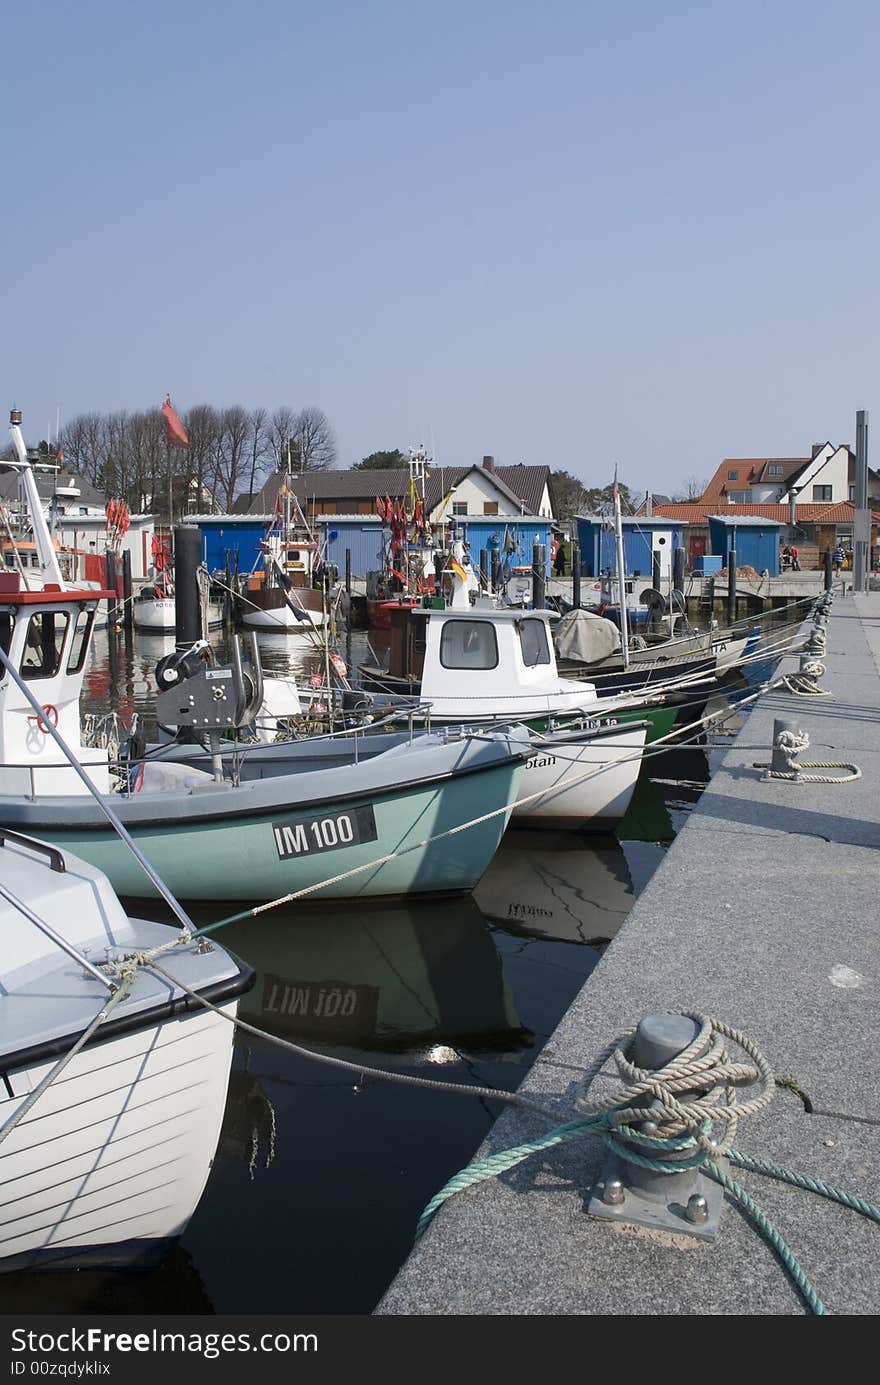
49, 567
621, 575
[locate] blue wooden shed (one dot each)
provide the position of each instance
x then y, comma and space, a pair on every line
226, 538
643, 536
755, 539
504, 532
362, 534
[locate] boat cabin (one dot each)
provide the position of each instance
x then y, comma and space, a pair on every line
481, 661
46, 636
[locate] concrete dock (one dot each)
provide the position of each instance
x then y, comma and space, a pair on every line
763, 914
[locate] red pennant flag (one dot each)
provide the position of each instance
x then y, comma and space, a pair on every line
175, 433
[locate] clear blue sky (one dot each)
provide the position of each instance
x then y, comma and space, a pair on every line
571, 233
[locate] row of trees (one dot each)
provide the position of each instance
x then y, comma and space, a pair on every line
230, 453
569, 496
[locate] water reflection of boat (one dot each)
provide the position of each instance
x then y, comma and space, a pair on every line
175, 1287
550, 886
378, 979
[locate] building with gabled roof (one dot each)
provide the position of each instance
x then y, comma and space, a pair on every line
484, 489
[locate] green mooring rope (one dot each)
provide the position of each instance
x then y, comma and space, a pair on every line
603, 1125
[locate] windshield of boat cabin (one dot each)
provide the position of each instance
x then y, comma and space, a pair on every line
43, 644
468, 644
533, 642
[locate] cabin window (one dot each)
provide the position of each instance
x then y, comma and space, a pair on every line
44, 643
459, 507
822, 492
468, 644
533, 642
79, 645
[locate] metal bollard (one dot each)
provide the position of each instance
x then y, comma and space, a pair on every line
788, 739
686, 1203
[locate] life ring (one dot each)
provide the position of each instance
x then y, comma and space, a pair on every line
51, 714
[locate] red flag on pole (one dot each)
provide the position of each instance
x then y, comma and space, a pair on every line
175, 433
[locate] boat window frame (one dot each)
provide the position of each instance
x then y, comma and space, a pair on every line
533, 663
36, 673
468, 668
77, 666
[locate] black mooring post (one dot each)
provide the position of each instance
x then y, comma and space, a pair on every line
575, 575
348, 572
678, 570
127, 594
731, 586
829, 568
496, 570
112, 601
187, 607
484, 569
539, 577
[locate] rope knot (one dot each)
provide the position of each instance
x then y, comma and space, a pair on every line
688, 1110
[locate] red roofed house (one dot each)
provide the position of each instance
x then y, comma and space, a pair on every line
811, 496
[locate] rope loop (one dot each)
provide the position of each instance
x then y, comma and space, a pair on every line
689, 1097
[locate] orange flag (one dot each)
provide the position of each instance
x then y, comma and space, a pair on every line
175, 433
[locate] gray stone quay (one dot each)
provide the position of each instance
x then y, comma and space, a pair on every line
763, 914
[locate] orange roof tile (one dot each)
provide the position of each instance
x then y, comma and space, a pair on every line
696, 511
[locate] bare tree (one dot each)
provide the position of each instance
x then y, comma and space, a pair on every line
314, 441
202, 424
258, 444
280, 432
691, 488
231, 455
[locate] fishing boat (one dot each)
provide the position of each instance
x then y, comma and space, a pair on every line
367, 830
279, 595
579, 777
107, 1166
154, 610
588, 646
482, 663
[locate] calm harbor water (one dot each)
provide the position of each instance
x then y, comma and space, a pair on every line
319, 1177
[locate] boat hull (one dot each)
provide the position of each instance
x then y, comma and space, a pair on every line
268, 609
108, 1168
581, 782
159, 616
579, 778
252, 854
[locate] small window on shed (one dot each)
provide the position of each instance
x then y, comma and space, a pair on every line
533, 642
468, 644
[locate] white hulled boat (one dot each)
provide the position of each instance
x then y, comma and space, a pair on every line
108, 1165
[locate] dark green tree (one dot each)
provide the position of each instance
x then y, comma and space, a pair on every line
382, 461
567, 494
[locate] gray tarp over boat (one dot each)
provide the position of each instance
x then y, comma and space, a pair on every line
586, 638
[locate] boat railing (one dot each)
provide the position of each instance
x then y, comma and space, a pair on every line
57, 863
